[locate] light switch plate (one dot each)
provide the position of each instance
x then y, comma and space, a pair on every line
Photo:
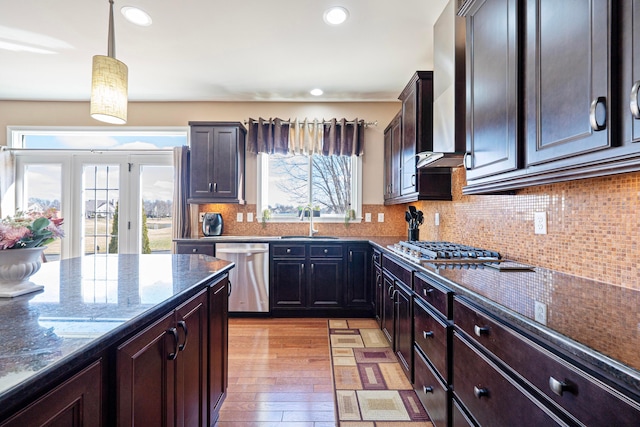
249, 216
367, 217
540, 315
201, 216
381, 217
239, 217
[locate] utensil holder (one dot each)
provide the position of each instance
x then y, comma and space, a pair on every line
414, 234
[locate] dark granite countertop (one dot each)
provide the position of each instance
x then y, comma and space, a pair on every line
597, 323
88, 304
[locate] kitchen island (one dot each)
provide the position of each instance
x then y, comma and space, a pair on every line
92, 313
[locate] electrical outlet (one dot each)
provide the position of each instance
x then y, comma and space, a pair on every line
381, 217
249, 216
367, 217
540, 222
239, 217
540, 314
201, 216
437, 219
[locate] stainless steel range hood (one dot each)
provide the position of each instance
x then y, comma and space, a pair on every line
449, 97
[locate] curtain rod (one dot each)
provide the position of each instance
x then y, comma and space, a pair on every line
287, 122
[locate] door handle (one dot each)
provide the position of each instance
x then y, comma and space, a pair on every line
465, 161
215, 187
633, 100
173, 332
183, 325
312, 268
210, 187
230, 288
596, 124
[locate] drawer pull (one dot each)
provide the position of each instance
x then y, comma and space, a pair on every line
427, 390
559, 387
633, 102
480, 392
288, 250
480, 330
426, 292
326, 251
428, 334
194, 250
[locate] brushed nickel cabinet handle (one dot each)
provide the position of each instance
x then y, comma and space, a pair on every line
480, 330
183, 325
413, 180
559, 387
427, 390
427, 334
326, 251
426, 291
194, 250
210, 187
480, 392
593, 114
633, 101
466, 161
215, 187
288, 250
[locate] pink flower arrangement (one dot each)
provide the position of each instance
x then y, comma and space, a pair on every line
30, 229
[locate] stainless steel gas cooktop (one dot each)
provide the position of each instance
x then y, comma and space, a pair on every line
443, 253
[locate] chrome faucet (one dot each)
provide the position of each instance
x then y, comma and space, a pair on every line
312, 230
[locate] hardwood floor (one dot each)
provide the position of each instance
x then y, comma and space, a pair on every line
279, 374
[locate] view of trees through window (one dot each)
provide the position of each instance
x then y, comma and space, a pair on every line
321, 182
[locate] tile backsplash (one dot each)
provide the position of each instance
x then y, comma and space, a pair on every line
593, 225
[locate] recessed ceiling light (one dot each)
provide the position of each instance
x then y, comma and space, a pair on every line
136, 16
335, 15
316, 92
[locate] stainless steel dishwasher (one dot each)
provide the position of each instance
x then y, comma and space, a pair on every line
250, 278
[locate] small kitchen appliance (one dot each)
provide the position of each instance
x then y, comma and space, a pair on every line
212, 224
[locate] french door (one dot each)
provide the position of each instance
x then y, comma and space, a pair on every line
111, 202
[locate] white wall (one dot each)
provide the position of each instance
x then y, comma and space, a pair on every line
27, 113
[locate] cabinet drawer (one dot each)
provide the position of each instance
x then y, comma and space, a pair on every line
203, 248
398, 270
431, 392
583, 396
491, 397
433, 293
325, 251
288, 251
433, 338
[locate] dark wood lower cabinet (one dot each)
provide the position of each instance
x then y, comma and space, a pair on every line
218, 346
403, 322
433, 394
388, 308
491, 396
162, 371
75, 403
325, 283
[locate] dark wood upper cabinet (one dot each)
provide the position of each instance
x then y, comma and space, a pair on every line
404, 183
492, 76
567, 78
392, 164
217, 162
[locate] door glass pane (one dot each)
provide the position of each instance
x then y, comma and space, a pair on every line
100, 201
43, 191
156, 184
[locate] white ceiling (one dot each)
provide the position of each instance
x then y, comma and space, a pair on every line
218, 50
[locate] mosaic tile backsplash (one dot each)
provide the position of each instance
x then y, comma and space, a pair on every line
593, 225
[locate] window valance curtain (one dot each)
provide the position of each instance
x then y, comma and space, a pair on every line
340, 137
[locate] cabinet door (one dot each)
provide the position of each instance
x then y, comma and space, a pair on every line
288, 284
409, 135
358, 280
201, 162
404, 329
325, 283
225, 154
492, 88
218, 346
392, 148
146, 376
388, 308
76, 402
630, 102
567, 78
379, 290
191, 365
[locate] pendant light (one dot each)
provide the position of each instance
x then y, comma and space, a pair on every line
109, 83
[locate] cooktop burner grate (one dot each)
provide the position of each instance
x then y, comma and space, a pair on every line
443, 252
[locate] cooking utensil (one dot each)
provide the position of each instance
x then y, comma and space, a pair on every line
419, 217
407, 217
